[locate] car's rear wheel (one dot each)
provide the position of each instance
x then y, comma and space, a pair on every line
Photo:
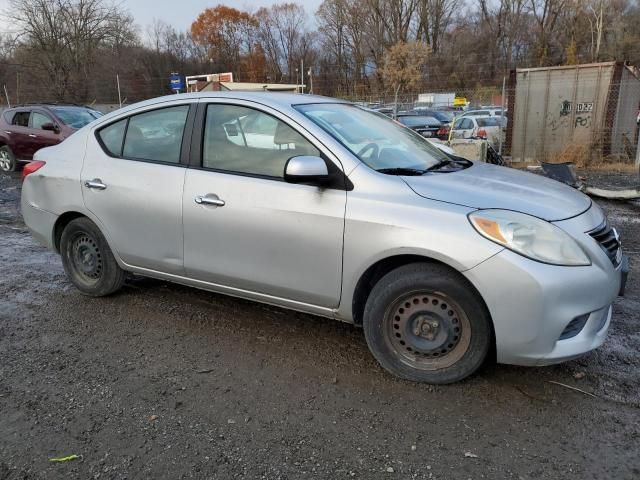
88, 260
8, 161
424, 322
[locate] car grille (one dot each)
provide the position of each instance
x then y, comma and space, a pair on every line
608, 239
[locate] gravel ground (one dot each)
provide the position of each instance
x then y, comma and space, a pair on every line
163, 381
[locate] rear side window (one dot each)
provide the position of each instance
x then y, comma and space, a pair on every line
112, 137
21, 119
155, 135
487, 122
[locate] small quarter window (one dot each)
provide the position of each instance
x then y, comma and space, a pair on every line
112, 137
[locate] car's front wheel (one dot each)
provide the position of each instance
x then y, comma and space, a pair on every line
8, 161
424, 322
88, 260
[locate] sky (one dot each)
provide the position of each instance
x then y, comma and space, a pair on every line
181, 13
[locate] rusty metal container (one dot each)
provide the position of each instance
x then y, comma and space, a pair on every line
553, 110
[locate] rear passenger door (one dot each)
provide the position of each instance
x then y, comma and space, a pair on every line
132, 182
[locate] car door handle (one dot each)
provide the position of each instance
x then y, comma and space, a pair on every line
33, 136
96, 183
210, 199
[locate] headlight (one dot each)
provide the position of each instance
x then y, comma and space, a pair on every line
529, 236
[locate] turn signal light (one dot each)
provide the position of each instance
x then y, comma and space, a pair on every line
31, 167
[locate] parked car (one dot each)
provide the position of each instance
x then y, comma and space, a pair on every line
500, 114
485, 128
344, 214
388, 111
485, 112
26, 129
425, 126
445, 117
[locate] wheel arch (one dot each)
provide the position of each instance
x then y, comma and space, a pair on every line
385, 265
62, 221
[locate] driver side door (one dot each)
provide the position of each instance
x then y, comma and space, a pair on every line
255, 234
37, 137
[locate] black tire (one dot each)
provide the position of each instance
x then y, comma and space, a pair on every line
8, 161
426, 323
88, 260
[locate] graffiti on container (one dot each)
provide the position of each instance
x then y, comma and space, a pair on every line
583, 121
555, 123
565, 108
582, 110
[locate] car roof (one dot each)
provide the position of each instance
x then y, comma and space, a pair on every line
268, 98
48, 106
271, 99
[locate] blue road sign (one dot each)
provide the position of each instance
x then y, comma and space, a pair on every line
176, 82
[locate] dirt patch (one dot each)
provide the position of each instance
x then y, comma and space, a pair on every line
163, 381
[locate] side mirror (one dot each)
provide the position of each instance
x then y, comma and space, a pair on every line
52, 127
306, 169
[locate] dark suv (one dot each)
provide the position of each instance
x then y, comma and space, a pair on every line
26, 129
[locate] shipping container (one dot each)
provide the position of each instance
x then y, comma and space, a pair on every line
555, 110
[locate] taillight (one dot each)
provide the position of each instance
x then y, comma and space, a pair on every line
31, 167
443, 131
482, 133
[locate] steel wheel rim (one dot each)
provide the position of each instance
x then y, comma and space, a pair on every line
86, 257
427, 330
5, 161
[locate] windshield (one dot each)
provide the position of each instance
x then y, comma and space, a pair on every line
488, 122
76, 117
418, 121
376, 140
444, 116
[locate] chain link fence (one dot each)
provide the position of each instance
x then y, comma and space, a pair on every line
584, 114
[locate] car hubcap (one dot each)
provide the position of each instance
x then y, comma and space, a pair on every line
5, 161
86, 257
427, 331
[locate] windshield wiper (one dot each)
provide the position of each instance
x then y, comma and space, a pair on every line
401, 171
441, 163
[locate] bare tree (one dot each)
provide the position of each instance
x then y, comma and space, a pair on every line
545, 14
65, 35
434, 18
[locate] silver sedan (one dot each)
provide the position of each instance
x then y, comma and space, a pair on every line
317, 205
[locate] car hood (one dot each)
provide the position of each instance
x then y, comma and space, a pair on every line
489, 186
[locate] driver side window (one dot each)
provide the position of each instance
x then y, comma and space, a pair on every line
243, 140
38, 119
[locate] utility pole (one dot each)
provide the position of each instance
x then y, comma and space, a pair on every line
18, 88
6, 94
119, 95
302, 74
504, 82
310, 82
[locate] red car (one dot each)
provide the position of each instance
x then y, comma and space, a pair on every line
26, 129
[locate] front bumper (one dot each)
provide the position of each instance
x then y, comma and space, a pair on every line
532, 303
